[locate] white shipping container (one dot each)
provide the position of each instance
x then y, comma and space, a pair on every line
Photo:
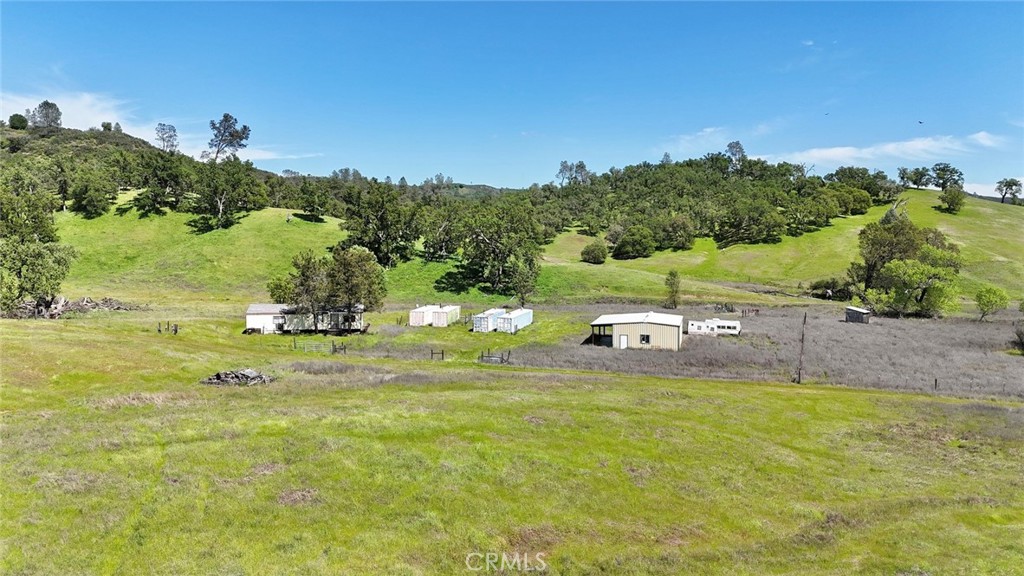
487, 321
423, 315
515, 321
446, 315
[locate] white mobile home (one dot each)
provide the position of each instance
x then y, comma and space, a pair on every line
713, 327
644, 330
281, 319
515, 320
446, 315
487, 321
423, 316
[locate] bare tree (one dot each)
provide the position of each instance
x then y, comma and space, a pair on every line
167, 135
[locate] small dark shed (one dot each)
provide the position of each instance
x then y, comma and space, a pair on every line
859, 315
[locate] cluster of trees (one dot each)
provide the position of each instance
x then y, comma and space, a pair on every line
321, 283
33, 263
906, 270
217, 191
728, 196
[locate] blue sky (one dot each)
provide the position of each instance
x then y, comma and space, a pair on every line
500, 93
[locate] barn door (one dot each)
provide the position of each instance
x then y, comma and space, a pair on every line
622, 341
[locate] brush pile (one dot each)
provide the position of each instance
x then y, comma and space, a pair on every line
244, 377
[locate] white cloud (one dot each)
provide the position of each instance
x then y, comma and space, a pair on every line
928, 148
987, 140
702, 141
808, 42
256, 154
84, 110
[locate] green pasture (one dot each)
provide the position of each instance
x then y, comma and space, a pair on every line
117, 461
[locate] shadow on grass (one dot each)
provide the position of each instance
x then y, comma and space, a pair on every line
308, 217
205, 223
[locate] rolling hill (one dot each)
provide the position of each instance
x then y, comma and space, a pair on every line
159, 258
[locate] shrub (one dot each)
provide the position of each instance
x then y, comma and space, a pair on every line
860, 202
840, 289
637, 242
18, 122
595, 252
954, 198
991, 299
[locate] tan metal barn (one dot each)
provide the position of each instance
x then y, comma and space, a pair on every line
643, 330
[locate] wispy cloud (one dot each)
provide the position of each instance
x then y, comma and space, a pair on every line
808, 42
700, 142
927, 148
84, 110
256, 154
987, 140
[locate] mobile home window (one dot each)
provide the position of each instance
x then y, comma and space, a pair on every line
645, 338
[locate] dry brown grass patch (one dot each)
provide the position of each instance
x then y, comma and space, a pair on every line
298, 497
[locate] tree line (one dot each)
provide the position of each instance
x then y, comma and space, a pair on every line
493, 240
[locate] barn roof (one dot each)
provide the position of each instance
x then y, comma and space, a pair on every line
639, 318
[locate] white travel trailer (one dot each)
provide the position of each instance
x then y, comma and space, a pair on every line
487, 321
713, 327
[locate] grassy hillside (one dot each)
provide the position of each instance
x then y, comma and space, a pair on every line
990, 235
381, 466
158, 258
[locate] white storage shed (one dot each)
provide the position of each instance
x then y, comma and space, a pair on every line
423, 316
515, 320
487, 321
446, 315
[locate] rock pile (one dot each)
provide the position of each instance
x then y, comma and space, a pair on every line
245, 377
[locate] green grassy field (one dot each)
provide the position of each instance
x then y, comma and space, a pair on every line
117, 461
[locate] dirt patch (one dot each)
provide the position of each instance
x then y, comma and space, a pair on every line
298, 497
266, 469
535, 420
823, 532
952, 356
534, 539
68, 481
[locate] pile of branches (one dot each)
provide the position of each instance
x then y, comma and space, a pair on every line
244, 377
62, 305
